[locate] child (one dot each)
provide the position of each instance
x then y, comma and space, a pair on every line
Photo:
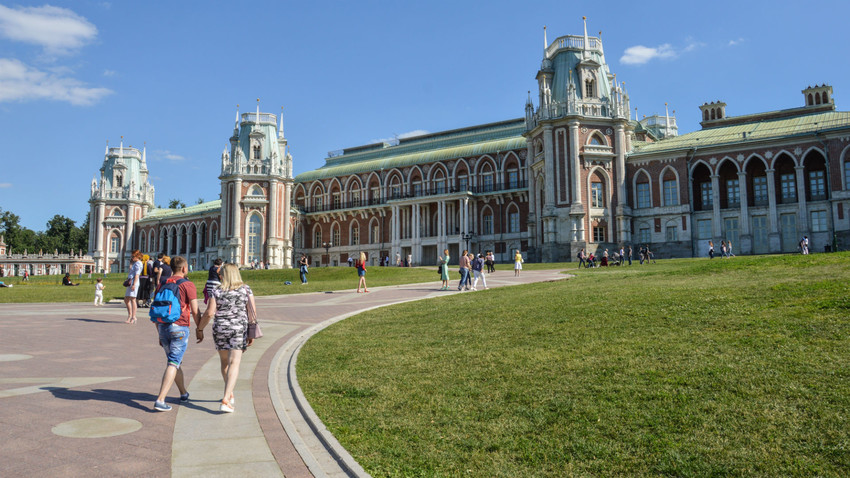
98, 292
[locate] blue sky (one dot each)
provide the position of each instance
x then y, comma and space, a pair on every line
74, 74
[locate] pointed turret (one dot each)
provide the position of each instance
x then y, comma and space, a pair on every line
545, 41
586, 41
280, 130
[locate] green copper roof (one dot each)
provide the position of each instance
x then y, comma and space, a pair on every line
165, 214
755, 131
489, 138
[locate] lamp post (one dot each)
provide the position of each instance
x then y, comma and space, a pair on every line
466, 237
327, 246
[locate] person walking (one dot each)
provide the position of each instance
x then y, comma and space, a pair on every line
710, 250
630, 255
360, 264
729, 249
444, 272
582, 258
517, 263
132, 284
464, 271
302, 268
477, 271
228, 309
723, 249
490, 261
98, 292
622, 255
213, 278
174, 337
144, 296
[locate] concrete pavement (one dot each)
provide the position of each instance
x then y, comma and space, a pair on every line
77, 386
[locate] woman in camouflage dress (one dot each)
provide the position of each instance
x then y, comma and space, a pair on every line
228, 305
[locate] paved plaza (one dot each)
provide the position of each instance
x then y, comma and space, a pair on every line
77, 387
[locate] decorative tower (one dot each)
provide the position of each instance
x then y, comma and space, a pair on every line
123, 196
577, 141
256, 185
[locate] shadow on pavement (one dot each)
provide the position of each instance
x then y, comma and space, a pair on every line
94, 320
140, 401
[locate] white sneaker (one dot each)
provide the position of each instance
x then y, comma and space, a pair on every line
225, 407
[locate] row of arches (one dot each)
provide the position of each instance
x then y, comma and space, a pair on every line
761, 180
483, 175
488, 221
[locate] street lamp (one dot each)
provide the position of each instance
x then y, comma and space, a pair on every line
327, 246
466, 237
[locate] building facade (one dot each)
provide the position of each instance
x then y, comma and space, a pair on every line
577, 171
43, 264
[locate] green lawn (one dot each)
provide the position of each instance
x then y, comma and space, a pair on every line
687, 367
262, 282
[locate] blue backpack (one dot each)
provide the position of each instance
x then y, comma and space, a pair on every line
166, 307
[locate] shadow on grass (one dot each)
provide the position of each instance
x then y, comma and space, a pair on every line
137, 400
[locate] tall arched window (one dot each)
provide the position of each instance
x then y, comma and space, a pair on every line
257, 151
335, 236
142, 241
255, 230
115, 243
317, 237
588, 89
355, 234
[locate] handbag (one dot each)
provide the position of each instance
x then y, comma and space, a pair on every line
127, 283
254, 330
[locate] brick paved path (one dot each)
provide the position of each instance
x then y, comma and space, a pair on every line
77, 386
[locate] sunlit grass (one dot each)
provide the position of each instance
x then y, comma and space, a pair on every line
688, 367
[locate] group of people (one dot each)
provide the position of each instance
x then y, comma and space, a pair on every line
618, 258
471, 269
725, 249
230, 307
144, 276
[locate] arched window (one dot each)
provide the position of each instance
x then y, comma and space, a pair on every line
203, 246
257, 151
670, 187
811, 100
713, 114
117, 212
335, 235
115, 243
589, 89
824, 98
817, 99
513, 218
487, 222
705, 115
597, 193
595, 140
374, 232
142, 241
317, 237
119, 181
255, 230
355, 234
256, 191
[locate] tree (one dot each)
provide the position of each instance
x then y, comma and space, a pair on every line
200, 201
176, 204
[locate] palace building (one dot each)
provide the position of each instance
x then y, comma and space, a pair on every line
577, 171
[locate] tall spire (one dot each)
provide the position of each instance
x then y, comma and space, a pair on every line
545, 41
144, 155
280, 131
236, 124
666, 120
106, 153
258, 112
584, 52
121, 150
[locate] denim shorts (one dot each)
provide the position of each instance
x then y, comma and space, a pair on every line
174, 340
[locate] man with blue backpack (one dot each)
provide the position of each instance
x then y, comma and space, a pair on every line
175, 301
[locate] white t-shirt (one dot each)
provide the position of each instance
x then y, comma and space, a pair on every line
98, 288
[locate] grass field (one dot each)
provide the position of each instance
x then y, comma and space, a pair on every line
262, 282
688, 367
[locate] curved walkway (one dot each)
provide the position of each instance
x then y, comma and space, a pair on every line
101, 375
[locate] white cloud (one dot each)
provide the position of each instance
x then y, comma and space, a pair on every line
5, 185
692, 45
162, 154
20, 82
109, 72
639, 54
735, 42
58, 30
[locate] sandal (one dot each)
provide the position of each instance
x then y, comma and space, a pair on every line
226, 407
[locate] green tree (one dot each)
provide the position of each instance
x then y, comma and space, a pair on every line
176, 204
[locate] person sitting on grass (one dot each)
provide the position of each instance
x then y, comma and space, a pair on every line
67, 280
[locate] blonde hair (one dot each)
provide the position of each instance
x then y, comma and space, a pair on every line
362, 257
231, 279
